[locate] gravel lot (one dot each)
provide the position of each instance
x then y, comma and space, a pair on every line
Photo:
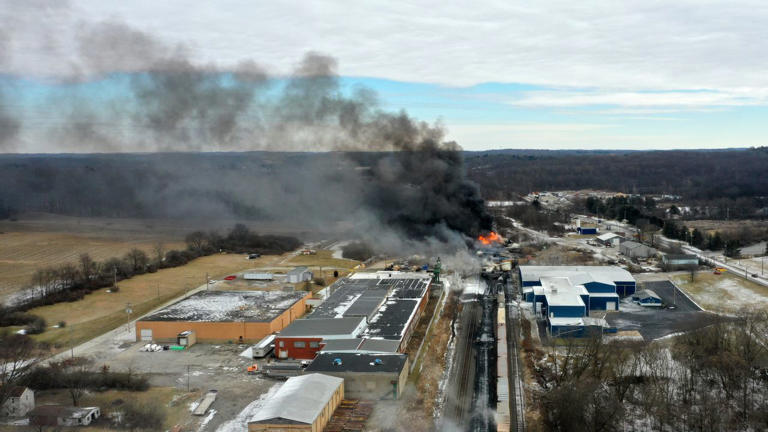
202, 367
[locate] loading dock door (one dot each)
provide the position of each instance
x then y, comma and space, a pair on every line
610, 306
146, 334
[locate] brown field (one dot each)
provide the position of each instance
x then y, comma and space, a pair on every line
102, 311
710, 226
40, 240
21, 253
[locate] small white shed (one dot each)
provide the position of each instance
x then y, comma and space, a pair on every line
299, 274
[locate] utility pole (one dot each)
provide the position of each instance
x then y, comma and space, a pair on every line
207, 281
187, 378
114, 272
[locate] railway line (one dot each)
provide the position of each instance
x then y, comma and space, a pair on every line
516, 402
462, 374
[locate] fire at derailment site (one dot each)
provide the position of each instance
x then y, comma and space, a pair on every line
385, 217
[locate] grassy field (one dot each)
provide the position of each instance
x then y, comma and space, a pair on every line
101, 311
722, 293
323, 258
21, 253
40, 240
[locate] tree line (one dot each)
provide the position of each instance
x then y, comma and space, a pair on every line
72, 281
643, 212
724, 184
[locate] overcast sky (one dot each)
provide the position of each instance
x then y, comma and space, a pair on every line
498, 74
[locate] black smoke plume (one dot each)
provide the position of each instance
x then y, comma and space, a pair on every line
381, 174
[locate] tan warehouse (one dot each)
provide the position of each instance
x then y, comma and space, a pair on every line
303, 404
221, 316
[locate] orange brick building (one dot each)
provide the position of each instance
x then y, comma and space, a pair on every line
221, 316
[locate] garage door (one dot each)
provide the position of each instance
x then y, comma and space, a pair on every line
146, 334
610, 306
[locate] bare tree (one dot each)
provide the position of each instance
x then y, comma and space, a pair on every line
16, 353
137, 261
196, 241
143, 416
88, 269
159, 253
75, 376
68, 276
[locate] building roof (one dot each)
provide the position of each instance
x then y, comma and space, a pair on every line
17, 391
598, 273
368, 302
344, 293
299, 401
226, 306
298, 271
357, 362
61, 411
680, 257
566, 321
563, 298
392, 319
629, 244
322, 327
380, 345
258, 276
402, 288
333, 345
647, 293
607, 236
363, 293
603, 295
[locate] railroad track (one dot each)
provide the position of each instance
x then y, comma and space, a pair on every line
516, 391
461, 382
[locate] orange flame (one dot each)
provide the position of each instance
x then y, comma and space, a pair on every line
492, 237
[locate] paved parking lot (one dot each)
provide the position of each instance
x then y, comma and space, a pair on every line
671, 295
654, 323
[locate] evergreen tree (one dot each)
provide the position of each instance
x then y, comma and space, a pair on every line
697, 239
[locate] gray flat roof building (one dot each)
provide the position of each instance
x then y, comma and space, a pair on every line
324, 328
218, 306
357, 362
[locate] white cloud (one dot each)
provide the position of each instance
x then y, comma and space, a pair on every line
626, 45
649, 101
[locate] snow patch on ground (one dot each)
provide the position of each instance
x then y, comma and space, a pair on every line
473, 287
240, 423
729, 293
207, 418
193, 405
337, 249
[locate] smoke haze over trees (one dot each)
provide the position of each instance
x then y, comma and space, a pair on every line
410, 186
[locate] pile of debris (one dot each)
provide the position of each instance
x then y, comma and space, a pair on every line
350, 416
